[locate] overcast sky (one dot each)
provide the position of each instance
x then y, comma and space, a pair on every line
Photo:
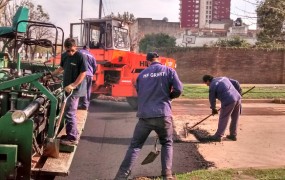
63, 12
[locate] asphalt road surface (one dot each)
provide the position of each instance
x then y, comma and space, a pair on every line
105, 139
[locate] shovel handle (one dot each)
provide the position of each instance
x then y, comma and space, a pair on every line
248, 90
155, 144
61, 113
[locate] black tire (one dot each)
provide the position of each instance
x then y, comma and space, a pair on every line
94, 96
133, 102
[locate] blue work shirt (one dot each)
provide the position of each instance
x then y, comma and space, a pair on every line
224, 89
156, 86
91, 62
73, 66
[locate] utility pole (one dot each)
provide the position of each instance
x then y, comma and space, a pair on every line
100, 9
81, 21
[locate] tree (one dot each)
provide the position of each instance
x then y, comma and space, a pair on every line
126, 17
154, 41
3, 3
271, 20
36, 13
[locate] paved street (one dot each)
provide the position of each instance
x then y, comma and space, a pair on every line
105, 140
110, 125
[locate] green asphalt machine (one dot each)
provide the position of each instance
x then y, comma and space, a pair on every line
29, 105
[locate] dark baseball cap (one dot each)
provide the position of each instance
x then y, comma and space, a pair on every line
86, 47
151, 55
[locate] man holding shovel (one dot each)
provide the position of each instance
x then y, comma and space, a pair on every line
73, 66
156, 86
228, 91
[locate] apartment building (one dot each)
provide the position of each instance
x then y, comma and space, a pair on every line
200, 13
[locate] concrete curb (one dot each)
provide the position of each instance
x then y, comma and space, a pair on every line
277, 100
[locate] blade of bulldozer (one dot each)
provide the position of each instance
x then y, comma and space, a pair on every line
150, 157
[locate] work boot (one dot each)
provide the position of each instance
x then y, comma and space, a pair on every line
65, 140
232, 137
168, 177
68, 142
122, 175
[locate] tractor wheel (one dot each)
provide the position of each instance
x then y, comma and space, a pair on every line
94, 96
133, 102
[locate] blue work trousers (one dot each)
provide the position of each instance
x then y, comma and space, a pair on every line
163, 126
70, 117
85, 100
232, 111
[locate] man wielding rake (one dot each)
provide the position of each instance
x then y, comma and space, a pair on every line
228, 91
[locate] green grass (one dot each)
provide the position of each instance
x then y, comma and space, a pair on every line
231, 174
201, 91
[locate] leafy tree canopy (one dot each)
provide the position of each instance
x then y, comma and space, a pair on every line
154, 41
36, 13
126, 16
271, 21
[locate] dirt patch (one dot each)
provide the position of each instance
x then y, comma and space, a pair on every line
260, 133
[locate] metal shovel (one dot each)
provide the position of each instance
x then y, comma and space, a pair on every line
51, 147
152, 155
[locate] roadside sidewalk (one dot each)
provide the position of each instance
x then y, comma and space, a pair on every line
276, 100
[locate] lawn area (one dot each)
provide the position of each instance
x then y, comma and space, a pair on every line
234, 174
230, 174
201, 91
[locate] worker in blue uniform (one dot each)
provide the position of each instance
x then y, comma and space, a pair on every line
228, 91
157, 86
73, 66
84, 102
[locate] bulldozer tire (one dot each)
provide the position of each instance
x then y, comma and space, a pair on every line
94, 96
133, 102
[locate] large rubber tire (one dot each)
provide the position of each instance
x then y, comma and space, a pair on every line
94, 96
133, 102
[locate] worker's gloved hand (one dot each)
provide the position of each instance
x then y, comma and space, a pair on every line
69, 88
214, 111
